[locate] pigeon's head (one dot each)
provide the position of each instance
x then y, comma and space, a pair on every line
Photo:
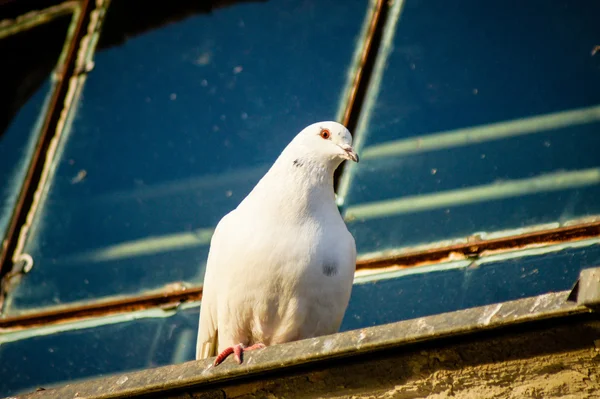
329, 141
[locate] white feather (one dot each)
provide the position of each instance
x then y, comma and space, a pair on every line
281, 265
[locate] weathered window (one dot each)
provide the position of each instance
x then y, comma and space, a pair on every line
477, 126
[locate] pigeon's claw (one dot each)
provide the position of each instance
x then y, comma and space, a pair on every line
237, 351
223, 355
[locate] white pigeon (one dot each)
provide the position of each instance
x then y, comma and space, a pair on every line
281, 265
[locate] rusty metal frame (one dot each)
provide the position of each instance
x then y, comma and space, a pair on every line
476, 247
9, 27
169, 299
367, 60
362, 76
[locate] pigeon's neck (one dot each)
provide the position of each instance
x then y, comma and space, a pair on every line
299, 186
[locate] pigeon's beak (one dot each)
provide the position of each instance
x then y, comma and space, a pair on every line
351, 155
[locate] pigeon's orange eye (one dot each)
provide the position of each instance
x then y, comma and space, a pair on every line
325, 133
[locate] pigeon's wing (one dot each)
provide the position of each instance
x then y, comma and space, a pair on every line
207, 343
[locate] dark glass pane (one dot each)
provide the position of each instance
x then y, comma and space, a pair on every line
30, 57
461, 286
84, 351
173, 129
104, 346
478, 125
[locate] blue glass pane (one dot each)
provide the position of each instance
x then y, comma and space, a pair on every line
85, 351
479, 126
489, 281
26, 88
173, 129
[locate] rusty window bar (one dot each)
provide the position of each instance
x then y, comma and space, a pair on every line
170, 298
475, 247
363, 73
9, 27
365, 65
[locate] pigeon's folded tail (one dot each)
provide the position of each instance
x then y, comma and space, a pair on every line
204, 350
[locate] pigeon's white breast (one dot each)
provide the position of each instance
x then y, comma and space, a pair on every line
291, 281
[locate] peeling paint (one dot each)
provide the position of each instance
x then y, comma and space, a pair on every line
328, 345
122, 380
487, 318
16, 335
361, 337
541, 301
422, 326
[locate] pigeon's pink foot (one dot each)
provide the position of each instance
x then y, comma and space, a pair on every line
237, 350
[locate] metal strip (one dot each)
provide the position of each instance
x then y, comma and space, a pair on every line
363, 76
166, 299
9, 27
369, 92
367, 58
475, 247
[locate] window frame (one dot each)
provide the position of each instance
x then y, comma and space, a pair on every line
369, 61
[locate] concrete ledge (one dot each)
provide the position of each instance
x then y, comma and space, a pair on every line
444, 354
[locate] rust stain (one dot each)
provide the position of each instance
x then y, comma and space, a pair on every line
367, 54
476, 247
166, 299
